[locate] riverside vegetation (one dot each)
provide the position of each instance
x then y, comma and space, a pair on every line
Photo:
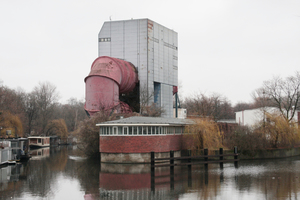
40, 113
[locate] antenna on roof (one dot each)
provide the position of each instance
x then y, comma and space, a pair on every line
109, 18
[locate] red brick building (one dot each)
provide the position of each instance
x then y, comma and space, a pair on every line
130, 140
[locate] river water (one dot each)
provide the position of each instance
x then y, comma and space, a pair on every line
63, 173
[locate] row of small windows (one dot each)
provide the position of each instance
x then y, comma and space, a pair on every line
104, 39
140, 130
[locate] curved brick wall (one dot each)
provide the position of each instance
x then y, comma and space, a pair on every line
140, 144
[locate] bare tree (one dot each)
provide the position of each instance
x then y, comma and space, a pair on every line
31, 111
283, 94
145, 98
147, 105
73, 112
215, 106
13, 101
10, 100
240, 106
248, 140
46, 98
57, 127
10, 122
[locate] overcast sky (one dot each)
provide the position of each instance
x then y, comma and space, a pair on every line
225, 47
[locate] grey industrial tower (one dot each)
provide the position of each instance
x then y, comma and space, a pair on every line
152, 49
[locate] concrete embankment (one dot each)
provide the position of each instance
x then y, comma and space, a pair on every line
270, 153
255, 154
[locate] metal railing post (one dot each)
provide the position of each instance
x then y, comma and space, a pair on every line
152, 172
189, 159
235, 150
221, 157
172, 170
206, 158
189, 169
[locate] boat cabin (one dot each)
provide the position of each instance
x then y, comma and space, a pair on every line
39, 141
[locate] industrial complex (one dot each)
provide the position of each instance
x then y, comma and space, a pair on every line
137, 65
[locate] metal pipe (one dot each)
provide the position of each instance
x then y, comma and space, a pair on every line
108, 78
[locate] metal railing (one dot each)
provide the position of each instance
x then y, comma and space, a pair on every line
189, 161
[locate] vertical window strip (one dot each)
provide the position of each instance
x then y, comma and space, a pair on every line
144, 130
115, 130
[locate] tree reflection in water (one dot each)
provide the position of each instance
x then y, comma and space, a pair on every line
40, 178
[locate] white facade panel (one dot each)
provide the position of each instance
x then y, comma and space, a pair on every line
167, 100
251, 117
248, 117
182, 114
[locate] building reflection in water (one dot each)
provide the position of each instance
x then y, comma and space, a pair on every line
10, 180
260, 179
252, 179
9, 173
126, 181
41, 153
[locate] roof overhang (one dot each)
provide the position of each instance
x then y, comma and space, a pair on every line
115, 124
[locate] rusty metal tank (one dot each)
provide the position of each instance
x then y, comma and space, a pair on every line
109, 77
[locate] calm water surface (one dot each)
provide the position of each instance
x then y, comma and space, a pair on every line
62, 173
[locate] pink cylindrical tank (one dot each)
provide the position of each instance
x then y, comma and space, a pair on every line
107, 79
